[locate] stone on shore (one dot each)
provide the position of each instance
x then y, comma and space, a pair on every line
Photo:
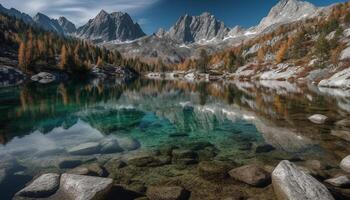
252, 175
44, 186
290, 183
85, 149
345, 164
80, 187
318, 119
340, 181
167, 193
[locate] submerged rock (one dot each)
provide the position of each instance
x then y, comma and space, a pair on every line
44, 77
167, 193
345, 164
69, 163
340, 181
91, 170
80, 187
114, 164
212, 170
129, 144
251, 175
85, 149
110, 145
264, 148
184, 157
318, 118
291, 183
44, 186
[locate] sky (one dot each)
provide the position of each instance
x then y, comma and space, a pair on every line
153, 14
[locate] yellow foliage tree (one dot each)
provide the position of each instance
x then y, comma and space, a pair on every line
63, 58
281, 53
21, 56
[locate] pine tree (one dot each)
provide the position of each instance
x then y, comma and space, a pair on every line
203, 61
322, 50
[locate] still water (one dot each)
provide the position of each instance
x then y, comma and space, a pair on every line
226, 121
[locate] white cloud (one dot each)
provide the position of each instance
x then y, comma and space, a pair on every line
78, 11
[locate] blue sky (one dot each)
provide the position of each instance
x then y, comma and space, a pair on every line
152, 14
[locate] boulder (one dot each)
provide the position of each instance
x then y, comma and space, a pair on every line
212, 169
318, 119
290, 183
345, 54
252, 175
340, 181
44, 186
128, 144
110, 145
167, 193
80, 187
85, 149
345, 164
91, 170
44, 77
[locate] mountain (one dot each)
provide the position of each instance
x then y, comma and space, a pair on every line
286, 11
17, 14
190, 29
48, 24
67, 26
107, 27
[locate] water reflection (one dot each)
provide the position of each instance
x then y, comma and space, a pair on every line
52, 119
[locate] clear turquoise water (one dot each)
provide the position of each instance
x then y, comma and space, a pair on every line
231, 116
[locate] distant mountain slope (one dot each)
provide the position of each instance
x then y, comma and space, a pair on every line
107, 27
48, 24
17, 14
190, 29
67, 26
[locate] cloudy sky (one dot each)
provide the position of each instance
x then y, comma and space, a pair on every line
152, 14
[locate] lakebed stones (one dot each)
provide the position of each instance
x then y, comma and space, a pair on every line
85, 149
167, 193
290, 183
318, 119
128, 144
252, 175
80, 187
345, 164
44, 186
69, 163
93, 169
340, 181
114, 164
184, 157
213, 169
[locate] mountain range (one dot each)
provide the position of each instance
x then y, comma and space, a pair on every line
184, 39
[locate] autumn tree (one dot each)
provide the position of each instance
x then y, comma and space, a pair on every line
261, 54
21, 56
203, 61
63, 58
281, 53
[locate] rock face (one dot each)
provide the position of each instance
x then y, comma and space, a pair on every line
251, 175
48, 24
339, 80
345, 164
80, 187
197, 28
286, 11
107, 27
290, 183
67, 26
318, 118
17, 14
167, 193
44, 186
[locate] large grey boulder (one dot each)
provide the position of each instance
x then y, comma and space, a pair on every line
251, 175
345, 164
110, 145
44, 186
80, 187
43, 77
290, 183
85, 149
167, 193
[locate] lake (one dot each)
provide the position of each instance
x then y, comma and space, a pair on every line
57, 127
